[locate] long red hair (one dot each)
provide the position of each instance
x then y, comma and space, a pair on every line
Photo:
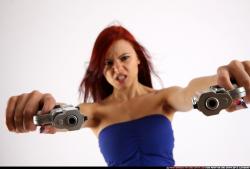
94, 85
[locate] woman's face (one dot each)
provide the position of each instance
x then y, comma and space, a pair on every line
121, 65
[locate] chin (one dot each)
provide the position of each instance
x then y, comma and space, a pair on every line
121, 86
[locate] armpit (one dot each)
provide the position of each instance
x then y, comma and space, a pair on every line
167, 108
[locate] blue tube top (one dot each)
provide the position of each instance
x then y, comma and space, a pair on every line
147, 141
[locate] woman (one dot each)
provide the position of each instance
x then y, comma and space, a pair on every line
131, 119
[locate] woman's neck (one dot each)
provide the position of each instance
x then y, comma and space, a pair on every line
127, 93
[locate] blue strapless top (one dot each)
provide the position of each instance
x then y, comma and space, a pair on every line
147, 141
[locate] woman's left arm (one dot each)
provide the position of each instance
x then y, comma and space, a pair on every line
180, 99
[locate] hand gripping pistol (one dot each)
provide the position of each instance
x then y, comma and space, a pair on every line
217, 98
61, 117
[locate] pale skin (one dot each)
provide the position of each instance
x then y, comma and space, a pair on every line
130, 99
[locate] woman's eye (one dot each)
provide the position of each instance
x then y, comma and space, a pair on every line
123, 58
109, 63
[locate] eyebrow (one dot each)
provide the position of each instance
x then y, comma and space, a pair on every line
118, 56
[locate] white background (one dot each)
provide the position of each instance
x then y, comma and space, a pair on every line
46, 44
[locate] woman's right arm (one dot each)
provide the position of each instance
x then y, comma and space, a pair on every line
21, 109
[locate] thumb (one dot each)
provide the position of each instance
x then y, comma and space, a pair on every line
224, 79
47, 103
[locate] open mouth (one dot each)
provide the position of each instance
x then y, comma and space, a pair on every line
121, 78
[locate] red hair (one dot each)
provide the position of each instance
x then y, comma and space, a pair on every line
94, 85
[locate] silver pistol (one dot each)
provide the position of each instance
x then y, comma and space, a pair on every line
217, 98
61, 117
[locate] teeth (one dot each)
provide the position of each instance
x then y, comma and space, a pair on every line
121, 77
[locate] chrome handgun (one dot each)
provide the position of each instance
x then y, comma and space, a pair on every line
61, 117
217, 98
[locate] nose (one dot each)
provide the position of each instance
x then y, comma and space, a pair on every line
117, 67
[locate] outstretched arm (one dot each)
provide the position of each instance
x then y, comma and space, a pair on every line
21, 109
180, 99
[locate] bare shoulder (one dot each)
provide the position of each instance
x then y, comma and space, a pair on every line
169, 99
154, 102
108, 111
98, 112
101, 114
91, 110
